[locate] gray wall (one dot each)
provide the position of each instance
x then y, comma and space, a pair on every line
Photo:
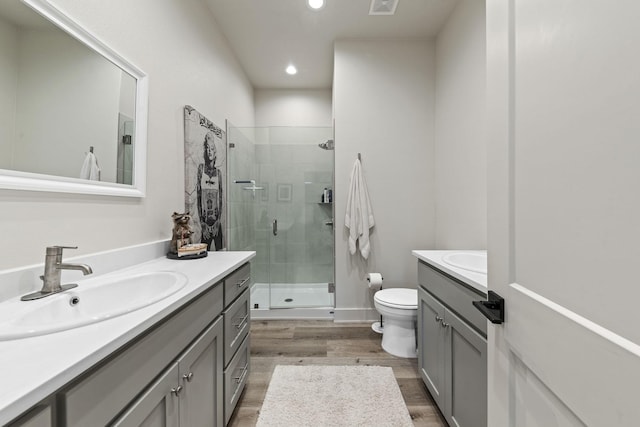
383, 98
460, 144
188, 62
293, 107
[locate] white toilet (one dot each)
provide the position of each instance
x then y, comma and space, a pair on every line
399, 309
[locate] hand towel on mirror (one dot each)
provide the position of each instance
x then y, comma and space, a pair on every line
359, 215
90, 169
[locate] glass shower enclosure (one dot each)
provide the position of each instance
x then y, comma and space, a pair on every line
280, 205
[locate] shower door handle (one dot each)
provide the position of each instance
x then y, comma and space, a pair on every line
275, 227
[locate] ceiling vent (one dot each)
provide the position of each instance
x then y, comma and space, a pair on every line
383, 7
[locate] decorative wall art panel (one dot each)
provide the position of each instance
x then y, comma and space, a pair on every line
205, 167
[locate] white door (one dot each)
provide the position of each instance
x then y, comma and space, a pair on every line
563, 92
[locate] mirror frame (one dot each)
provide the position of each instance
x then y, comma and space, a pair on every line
17, 180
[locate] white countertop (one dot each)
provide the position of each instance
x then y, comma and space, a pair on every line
477, 281
33, 368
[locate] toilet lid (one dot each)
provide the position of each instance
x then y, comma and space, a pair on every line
398, 298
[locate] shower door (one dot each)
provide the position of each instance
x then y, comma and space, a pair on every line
292, 216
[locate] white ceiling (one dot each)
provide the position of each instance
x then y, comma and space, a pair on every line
267, 35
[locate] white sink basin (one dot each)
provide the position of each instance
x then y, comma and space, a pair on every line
94, 300
470, 261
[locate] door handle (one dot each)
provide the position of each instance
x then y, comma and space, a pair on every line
493, 308
275, 227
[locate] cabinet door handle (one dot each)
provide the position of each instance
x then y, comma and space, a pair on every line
176, 390
242, 282
188, 376
439, 319
445, 325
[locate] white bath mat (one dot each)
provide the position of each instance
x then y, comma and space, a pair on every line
320, 396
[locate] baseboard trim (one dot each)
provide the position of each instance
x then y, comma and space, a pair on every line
292, 313
355, 315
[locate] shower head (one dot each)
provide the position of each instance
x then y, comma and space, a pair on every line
327, 145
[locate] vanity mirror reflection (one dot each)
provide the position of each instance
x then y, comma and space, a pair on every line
67, 99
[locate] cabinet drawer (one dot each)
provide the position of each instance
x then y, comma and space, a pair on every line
454, 294
39, 416
99, 397
236, 283
235, 378
236, 325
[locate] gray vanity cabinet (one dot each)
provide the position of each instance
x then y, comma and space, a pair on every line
188, 393
452, 348
177, 373
187, 369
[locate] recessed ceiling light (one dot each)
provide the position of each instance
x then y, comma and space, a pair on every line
315, 4
291, 69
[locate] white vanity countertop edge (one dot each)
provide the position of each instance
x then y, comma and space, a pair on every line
478, 281
33, 368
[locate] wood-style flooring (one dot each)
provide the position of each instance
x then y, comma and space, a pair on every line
320, 342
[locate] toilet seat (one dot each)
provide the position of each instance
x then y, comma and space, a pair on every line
401, 298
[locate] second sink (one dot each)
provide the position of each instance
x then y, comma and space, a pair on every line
471, 261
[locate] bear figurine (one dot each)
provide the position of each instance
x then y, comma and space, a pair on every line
181, 235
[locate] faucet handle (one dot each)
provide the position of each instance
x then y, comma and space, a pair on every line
57, 250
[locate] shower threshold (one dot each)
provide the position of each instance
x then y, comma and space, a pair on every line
291, 301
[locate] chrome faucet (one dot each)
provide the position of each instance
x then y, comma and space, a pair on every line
53, 267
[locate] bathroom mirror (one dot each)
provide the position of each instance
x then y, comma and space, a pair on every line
73, 112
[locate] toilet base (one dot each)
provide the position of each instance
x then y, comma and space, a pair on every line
399, 338
377, 327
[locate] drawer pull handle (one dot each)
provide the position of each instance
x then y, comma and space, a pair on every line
242, 322
242, 282
242, 374
439, 319
176, 390
188, 376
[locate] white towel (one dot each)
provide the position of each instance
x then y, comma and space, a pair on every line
359, 216
90, 169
